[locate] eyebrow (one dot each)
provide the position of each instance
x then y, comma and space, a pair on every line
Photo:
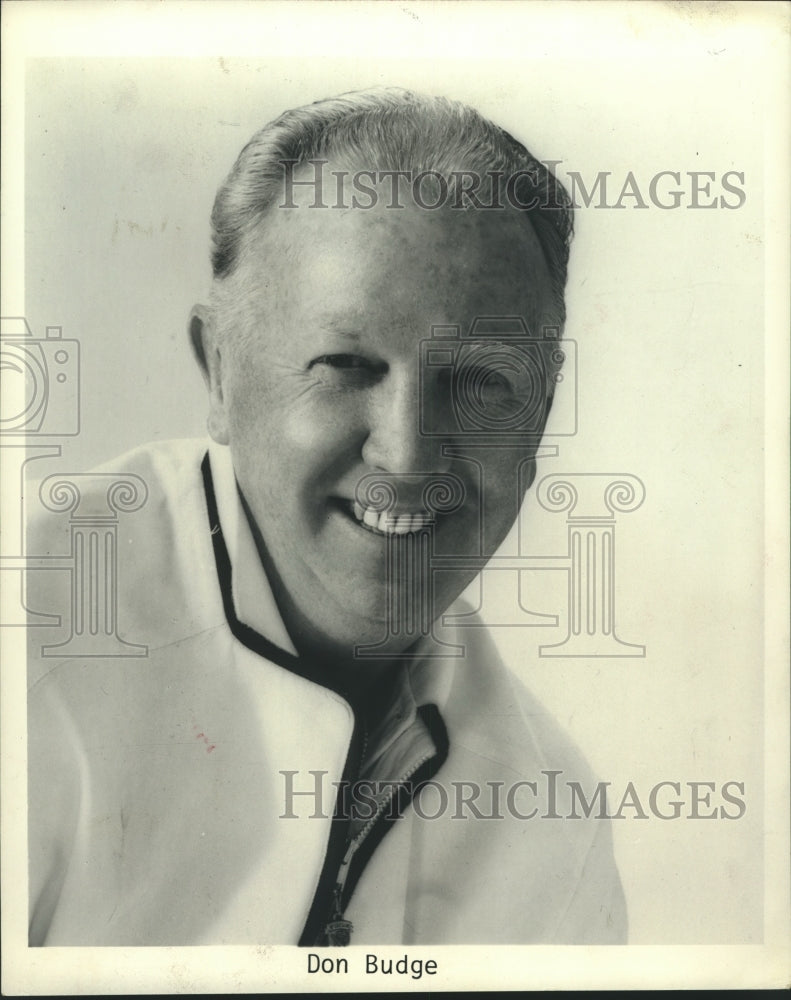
340, 327
354, 326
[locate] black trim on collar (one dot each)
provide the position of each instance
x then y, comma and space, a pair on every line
246, 635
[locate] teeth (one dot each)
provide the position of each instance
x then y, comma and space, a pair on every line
390, 524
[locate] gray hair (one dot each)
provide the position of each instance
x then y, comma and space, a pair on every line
393, 129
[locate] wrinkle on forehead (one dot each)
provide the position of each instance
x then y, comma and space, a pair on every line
450, 262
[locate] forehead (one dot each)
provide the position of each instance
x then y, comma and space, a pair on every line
403, 265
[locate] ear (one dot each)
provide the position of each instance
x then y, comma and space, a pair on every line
547, 410
202, 332
528, 467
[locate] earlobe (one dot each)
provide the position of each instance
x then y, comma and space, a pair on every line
527, 475
207, 354
217, 427
200, 333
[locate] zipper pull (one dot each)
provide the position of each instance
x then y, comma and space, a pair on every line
338, 932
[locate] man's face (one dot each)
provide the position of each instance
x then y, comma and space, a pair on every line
323, 388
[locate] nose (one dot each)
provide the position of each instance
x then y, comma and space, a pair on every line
403, 434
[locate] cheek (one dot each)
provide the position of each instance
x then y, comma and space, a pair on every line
298, 435
508, 479
321, 427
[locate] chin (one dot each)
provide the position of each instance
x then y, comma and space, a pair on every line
364, 625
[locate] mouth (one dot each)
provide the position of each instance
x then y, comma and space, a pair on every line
386, 523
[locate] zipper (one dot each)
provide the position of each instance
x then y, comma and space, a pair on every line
355, 843
324, 895
338, 930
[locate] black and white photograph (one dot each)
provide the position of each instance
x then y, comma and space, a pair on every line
394, 447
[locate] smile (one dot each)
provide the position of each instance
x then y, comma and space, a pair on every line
390, 522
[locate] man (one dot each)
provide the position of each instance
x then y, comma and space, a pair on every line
265, 774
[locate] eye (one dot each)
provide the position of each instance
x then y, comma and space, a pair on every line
342, 361
488, 380
347, 369
494, 379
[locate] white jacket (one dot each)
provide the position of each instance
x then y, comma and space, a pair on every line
157, 792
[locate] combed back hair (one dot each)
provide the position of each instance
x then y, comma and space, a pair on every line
390, 129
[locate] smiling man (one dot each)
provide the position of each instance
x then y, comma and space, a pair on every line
288, 763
